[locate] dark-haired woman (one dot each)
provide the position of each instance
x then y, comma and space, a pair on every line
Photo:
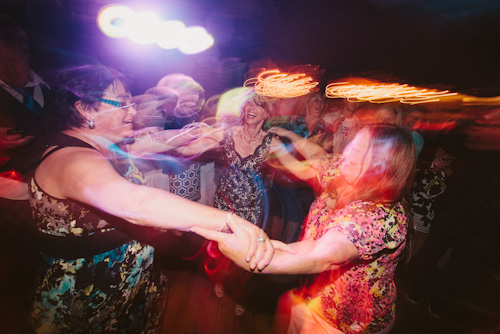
353, 239
96, 277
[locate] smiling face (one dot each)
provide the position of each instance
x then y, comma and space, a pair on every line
315, 105
115, 123
357, 157
254, 112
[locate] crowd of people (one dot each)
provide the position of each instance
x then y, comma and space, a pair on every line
339, 190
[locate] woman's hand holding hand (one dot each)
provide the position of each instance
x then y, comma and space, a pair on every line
248, 246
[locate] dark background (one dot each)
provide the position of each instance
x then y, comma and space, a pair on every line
434, 43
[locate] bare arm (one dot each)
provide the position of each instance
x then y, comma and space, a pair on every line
12, 189
151, 140
86, 176
208, 140
308, 149
329, 252
157, 141
301, 169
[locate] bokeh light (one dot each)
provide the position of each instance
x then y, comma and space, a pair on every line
112, 20
170, 34
195, 40
144, 27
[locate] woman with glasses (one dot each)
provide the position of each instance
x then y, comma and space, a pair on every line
96, 277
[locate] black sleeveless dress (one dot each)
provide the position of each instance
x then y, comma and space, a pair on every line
94, 278
244, 183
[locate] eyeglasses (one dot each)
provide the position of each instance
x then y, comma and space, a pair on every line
117, 104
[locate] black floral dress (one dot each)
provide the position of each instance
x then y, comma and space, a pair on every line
94, 278
244, 183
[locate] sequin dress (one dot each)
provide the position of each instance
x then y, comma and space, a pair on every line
243, 185
84, 287
360, 297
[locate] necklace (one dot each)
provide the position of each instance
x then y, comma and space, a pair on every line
248, 140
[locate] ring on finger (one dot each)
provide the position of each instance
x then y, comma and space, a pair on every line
261, 239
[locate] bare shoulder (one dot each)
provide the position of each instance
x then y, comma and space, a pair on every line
72, 157
64, 170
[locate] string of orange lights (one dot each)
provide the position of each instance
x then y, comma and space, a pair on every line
273, 83
386, 93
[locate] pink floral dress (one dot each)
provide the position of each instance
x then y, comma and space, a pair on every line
359, 297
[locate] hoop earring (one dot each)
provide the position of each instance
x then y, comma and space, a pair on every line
91, 124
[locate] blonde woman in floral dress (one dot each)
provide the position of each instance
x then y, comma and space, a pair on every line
353, 238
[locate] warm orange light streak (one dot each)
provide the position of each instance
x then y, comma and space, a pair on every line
272, 83
386, 93
482, 100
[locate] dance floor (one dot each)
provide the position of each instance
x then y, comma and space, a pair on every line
193, 307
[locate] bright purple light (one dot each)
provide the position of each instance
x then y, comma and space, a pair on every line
195, 40
170, 34
143, 27
112, 20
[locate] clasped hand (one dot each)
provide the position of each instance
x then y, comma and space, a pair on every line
242, 246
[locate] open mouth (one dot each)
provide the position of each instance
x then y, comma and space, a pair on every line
251, 114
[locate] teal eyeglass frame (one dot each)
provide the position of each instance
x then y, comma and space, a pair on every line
117, 104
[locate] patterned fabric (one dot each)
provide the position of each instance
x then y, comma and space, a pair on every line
328, 168
243, 184
426, 189
360, 297
116, 291
187, 183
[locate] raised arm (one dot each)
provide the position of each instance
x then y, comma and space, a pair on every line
301, 169
308, 149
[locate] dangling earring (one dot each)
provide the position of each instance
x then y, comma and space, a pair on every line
91, 124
